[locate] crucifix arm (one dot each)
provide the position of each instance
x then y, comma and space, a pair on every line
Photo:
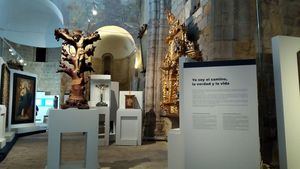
65, 35
92, 38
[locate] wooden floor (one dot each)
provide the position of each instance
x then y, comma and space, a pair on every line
30, 152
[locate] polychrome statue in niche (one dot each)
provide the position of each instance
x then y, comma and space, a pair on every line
77, 50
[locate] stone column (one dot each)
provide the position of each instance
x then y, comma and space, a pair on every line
156, 50
149, 85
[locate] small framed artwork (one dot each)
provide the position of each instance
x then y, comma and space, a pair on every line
23, 99
129, 101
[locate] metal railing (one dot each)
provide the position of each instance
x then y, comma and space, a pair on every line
7, 52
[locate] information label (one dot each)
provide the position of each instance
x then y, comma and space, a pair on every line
220, 115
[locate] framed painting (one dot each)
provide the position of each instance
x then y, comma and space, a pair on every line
23, 99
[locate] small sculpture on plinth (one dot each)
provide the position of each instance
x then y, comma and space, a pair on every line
77, 50
101, 87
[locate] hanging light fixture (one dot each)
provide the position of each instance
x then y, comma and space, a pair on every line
94, 12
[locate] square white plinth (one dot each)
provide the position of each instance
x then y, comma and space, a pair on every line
104, 111
73, 120
9, 136
175, 149
129, 127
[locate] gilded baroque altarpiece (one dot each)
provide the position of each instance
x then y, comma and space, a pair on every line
178, 45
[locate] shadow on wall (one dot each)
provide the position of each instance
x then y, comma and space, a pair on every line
149, 124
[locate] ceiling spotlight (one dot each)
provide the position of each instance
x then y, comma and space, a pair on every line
89, 20
10, 49
13, 53
94, 12
25, 64
21, 61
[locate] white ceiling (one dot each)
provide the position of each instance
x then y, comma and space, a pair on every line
30, 22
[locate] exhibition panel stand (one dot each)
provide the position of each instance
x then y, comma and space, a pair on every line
220, 115
73, 120
286, 64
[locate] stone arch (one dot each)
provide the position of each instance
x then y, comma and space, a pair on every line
115, 55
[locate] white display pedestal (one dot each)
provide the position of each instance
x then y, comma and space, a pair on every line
9, 136
114, 106
73, 120
129, 121
286, 79
104, 111
175, 149
2, 126
129, 125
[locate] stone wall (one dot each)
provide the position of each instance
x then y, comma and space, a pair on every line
48, 80
278, 17
228, 30
53, 54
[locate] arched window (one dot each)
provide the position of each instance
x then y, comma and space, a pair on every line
107, 62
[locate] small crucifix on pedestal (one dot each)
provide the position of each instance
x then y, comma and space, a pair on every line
102, 88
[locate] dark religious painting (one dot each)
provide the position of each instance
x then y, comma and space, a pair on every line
298, 61
23, 105
4, 90
129, 101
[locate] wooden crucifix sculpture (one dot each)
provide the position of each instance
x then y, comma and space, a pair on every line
76, 63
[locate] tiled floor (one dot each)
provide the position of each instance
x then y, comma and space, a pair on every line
30, 152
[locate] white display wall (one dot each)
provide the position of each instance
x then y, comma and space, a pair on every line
220, 115
286, 79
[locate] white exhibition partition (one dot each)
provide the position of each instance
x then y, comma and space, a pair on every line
220, 115
286, 79
2, 125
129, 121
